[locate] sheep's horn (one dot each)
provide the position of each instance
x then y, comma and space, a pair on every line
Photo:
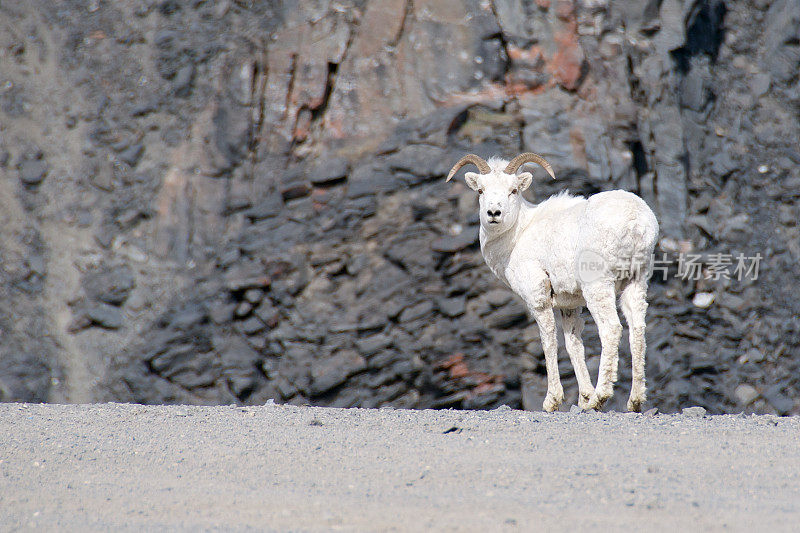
528, 157
483, 166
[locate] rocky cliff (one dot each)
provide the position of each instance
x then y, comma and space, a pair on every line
215, 202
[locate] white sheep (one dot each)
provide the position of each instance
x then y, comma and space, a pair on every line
565, 253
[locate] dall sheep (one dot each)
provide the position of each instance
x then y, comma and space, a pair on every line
565, 253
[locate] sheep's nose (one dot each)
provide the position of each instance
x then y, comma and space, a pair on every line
493, 214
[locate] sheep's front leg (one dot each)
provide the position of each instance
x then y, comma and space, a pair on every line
572, 324
533, 285
547, 331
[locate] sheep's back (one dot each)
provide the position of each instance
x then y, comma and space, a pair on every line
620, 227
613, 229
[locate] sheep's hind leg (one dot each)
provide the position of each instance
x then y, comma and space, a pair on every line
602, 303
547, 331
634, 307
572, 324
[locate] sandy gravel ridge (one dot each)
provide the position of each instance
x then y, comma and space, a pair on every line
121, 466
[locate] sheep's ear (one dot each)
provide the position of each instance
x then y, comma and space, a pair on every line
524, 180
472, 180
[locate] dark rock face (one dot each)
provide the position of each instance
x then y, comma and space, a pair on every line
217, 202
111, 285
32, 171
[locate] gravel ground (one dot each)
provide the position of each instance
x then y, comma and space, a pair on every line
121, 466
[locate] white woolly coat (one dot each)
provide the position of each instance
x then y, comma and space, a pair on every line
616, 230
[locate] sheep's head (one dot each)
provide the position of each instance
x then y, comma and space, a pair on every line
499, 187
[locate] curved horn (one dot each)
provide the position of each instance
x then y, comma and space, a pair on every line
528, 157
483, 166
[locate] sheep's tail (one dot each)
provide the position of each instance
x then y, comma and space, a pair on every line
644, 230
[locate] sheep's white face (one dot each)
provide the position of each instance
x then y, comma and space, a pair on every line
499, 197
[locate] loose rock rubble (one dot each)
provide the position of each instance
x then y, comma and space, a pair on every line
224, 202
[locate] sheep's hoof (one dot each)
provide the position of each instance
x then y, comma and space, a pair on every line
552, 402
603, 394
589, 402
635, 404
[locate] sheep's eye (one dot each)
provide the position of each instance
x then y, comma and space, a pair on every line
513, 191
480, 191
